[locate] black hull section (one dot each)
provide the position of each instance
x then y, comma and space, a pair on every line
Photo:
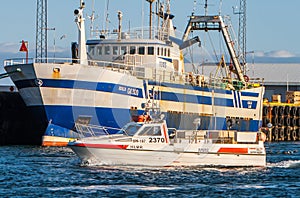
20, 125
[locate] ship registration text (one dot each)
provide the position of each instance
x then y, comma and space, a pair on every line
129, 91
150, 140
156, 140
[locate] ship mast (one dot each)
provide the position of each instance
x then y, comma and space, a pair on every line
150, 19
79, 20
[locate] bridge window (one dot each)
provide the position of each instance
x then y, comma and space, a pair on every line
142, 50
169, 52
99, 50
115, 50
123, 50
165, 54
151, 131
132, 50
107, 50
150, 50
158, 51
91, 50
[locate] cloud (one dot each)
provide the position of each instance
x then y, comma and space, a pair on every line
280, 54
275, 54
9, 47
11, 50
259, 54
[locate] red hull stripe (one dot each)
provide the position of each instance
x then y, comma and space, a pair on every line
233, 150
165, 133
106, 146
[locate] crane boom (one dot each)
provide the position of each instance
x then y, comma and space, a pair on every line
207, 23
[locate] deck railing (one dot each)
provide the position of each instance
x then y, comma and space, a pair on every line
151, 73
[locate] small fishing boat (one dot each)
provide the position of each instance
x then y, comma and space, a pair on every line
152, 143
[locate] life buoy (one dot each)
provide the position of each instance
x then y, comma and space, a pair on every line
246, 78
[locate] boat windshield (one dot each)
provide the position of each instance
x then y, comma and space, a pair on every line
130, 129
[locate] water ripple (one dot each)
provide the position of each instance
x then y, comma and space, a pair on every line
29, 171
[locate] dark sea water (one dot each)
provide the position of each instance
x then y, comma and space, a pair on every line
32, 171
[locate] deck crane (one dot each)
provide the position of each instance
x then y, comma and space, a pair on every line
216, 23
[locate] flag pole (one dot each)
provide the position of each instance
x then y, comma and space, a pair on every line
24, 48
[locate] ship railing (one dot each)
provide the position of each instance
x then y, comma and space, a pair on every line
149, 72
135, 33
89, 130
152, 73
256, 82
208, 136
217, 136
18, 61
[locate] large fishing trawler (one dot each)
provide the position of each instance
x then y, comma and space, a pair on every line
116, 73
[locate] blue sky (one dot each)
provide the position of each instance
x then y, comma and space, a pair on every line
272, 25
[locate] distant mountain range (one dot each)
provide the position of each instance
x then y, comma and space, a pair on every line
274, 60
63, 53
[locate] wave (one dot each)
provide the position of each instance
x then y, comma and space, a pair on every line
109, 188
285, 164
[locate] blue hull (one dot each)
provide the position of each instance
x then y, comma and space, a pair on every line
63, 122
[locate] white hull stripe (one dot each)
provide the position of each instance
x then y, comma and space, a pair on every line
138, 92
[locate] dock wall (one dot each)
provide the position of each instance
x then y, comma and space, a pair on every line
18, 126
